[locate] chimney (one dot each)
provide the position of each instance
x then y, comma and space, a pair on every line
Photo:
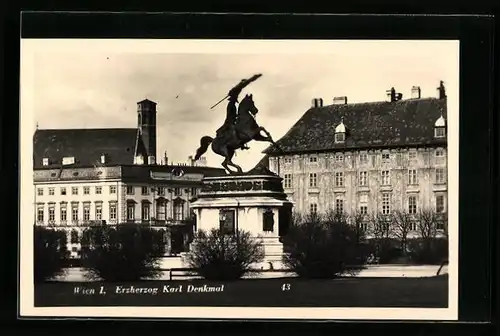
190, 160
317, 102
151, 160
415, 92
441, 91
340, 100
165, 158
392, 96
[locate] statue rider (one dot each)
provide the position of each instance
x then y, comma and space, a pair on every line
231, 114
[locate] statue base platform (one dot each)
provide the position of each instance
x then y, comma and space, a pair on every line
253, 202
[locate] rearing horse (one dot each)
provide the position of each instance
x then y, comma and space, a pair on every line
246, 129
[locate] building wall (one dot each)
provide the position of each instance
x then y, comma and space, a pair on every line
350, 164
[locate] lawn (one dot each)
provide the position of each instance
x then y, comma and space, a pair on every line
431, 292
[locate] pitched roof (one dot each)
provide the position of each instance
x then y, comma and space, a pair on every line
85, 145
407, 122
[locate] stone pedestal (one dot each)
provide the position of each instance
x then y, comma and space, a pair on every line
254, 202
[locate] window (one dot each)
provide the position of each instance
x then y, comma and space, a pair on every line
68, 160
86, 190
98, 211
193, 191
144, 191
145, 211
98, 190
412, 205
440, 225
161, 191
439, 132
39, 191
64, 213
112, 189
440, 204
74, 212
363, 178
412, 176
440, 175
52, 213
373, 160
339, 205
130, 190
112, 211
339, 179
177, 192
439, 153
52, 191
227, 221
287, 181
386, 204
339, 158
74, 190
413, 226
412, 155
363, 204
179, 211
63, 191
288, 159
313, 207
313, 182
386, 157
130, 211
363, 158
86, 212
339, 137
313, 159
386, 177
363, 209
39, 214
161, 210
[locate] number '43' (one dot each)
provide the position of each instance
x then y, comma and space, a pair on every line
285, 287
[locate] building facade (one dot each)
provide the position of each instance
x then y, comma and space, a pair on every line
367, 158
85, 177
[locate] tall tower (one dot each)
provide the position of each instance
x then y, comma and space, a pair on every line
146, 122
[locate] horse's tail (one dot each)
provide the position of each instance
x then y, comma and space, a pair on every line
204, 143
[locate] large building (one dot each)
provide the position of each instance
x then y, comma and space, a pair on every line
371, 157
110, 176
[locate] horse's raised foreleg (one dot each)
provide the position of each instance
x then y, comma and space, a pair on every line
267, 138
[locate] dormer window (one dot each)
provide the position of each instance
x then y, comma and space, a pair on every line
68, 160
139, 160
340, 132
440, 128
45, 161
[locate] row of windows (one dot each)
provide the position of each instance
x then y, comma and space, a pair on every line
161, 212
75, 212
363, 157
160, 190
440, 178
386, 204
112, 190
75, 190
439, 132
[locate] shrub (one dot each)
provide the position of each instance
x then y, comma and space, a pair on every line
323, 246
218, 256
48, 253
429, 250
126, 252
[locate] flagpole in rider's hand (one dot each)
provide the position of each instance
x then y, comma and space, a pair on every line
237, 89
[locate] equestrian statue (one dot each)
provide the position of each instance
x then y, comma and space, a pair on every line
239, 128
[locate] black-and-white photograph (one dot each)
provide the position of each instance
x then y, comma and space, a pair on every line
214, 178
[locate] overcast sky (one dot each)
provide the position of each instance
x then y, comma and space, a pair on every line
82, 84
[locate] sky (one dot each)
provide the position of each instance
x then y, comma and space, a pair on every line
96, 84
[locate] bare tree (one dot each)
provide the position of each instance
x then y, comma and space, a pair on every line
380, 229
402, 225
358, 220
427, 224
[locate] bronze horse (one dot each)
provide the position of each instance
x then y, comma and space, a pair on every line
244, 129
